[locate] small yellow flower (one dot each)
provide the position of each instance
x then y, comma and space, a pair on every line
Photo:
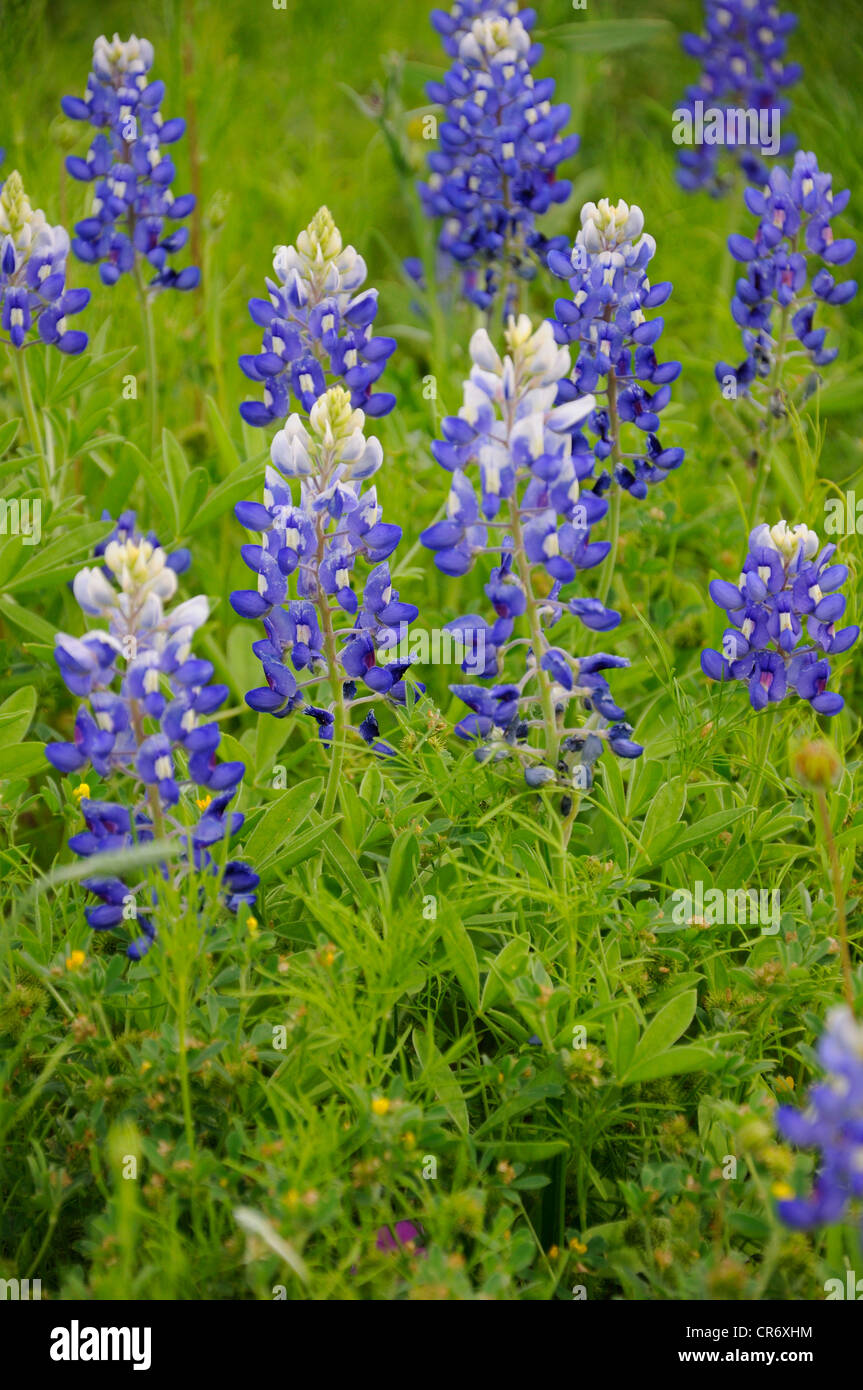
785, 1083
328, 956
380, 1105
553, 1253
782, 1191
292, 1198
145, 1066
82, 791
75, 960
202, 802
252, 924
576, 1247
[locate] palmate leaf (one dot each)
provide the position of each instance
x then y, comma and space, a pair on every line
654, 1054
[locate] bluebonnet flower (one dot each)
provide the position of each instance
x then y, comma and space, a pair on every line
795, 212
783, 616
35, 302
318, 329
145, 725
130, 168
832, 1124
512, 429
743, 69
616, 342
500, 144
324, 622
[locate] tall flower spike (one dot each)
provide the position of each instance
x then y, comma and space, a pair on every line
831, 1124
500, 145
794, 230
616, 342
130, 168
783, 616
317, 520
144, 727
742, 53
318, 329
35, 302
525, 448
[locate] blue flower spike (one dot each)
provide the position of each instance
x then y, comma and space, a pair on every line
145, 726
517, 462
35, 302
782, 619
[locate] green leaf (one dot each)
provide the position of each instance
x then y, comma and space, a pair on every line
248, 477
626, 1025
664, 811
672, 1020
304, 846
461, 956
507, 965
282, 818
22, 760
440, 1078
225, 447
673, 841
401, 871
27, 620
674, 1062
348, 870
58, 561
16, 714
193, 493
8, 432
609, 35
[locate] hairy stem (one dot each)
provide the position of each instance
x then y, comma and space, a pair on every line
839, 896
773, 405
31, 416
523, 568
150, 346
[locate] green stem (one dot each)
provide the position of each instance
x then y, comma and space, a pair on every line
762, 756
614, 522
31, 416
839, 896
183, 1062
614, 431
773, 404
152, 368
338, 753
521, 563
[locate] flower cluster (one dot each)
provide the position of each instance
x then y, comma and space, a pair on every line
305, 564
788, 594
512, 428
831, 1123
616, 342
795, 212
34, 300
317, 326
145, 716
130, 168
743, 69
500, 145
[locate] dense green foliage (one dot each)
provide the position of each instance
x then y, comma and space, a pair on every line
410, 946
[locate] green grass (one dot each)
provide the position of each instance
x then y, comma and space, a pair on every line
408, 953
